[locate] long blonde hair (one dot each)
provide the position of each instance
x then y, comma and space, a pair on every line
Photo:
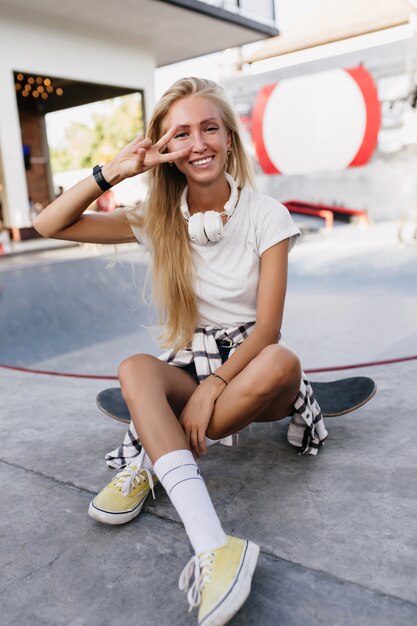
172, 268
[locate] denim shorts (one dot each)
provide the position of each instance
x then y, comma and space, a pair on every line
224, 355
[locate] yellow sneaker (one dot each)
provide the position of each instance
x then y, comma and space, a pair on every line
123, 498
222, 580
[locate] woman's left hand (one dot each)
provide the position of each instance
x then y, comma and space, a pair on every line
195, 418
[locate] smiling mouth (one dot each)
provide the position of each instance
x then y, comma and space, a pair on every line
202, 162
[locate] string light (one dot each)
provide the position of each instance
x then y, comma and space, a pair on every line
39, 86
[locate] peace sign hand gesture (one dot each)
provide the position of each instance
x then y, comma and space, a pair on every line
140, 155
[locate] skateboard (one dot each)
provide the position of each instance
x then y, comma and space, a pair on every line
336, 397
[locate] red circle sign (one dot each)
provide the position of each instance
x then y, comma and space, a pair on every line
327, 121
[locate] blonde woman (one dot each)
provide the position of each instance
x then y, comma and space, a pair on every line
219, 260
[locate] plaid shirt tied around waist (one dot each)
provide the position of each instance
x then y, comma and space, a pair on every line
306, 429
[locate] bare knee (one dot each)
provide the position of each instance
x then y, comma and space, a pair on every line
135, 363
275, 369
134, 369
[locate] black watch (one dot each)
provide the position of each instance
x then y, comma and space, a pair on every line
100, 180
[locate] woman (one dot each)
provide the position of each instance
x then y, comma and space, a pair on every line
219, 260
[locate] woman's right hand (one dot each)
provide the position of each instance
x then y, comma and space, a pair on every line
63, 218
139, 156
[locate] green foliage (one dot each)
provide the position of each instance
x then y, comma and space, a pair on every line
85, 145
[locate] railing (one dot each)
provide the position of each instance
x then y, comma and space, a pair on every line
327, 212
258, 12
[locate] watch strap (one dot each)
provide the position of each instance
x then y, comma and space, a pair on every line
100, 180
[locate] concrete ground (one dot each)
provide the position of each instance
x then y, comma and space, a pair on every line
337, 531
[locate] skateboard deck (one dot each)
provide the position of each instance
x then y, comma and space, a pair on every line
336, 397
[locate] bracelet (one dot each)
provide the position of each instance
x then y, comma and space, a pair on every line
100, 180
225, 381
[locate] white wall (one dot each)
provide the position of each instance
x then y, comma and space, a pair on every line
41, 50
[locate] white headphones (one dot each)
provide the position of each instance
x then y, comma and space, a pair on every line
207, 227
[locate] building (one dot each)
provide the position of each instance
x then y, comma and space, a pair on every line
71, 52
356, 34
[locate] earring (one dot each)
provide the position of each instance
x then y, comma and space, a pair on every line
229, 150
171, 163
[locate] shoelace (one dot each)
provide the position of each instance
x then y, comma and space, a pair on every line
200, 568
132, 475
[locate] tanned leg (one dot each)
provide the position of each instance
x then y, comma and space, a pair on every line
156, 393
264, 391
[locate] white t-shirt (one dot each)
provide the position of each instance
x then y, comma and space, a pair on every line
227, 271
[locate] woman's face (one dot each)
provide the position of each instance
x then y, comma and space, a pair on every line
202, 130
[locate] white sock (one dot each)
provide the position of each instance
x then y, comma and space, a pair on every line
147, 463
179, 474
211, 442
143, 459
